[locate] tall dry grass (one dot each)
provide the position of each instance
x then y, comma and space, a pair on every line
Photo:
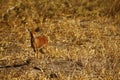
84, 39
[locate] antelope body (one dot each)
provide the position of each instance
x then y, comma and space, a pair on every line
37, 41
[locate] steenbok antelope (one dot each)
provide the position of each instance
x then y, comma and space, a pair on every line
37, 42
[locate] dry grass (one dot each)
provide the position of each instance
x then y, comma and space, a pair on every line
82, 46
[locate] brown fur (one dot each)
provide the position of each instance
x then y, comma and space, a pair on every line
37, 42
40, 42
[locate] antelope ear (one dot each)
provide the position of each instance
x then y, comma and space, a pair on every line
37, 29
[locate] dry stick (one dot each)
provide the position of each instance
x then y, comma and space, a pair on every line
17, 65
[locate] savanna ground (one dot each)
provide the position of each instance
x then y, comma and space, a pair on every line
83, 35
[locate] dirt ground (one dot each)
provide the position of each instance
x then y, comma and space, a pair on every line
78, 48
